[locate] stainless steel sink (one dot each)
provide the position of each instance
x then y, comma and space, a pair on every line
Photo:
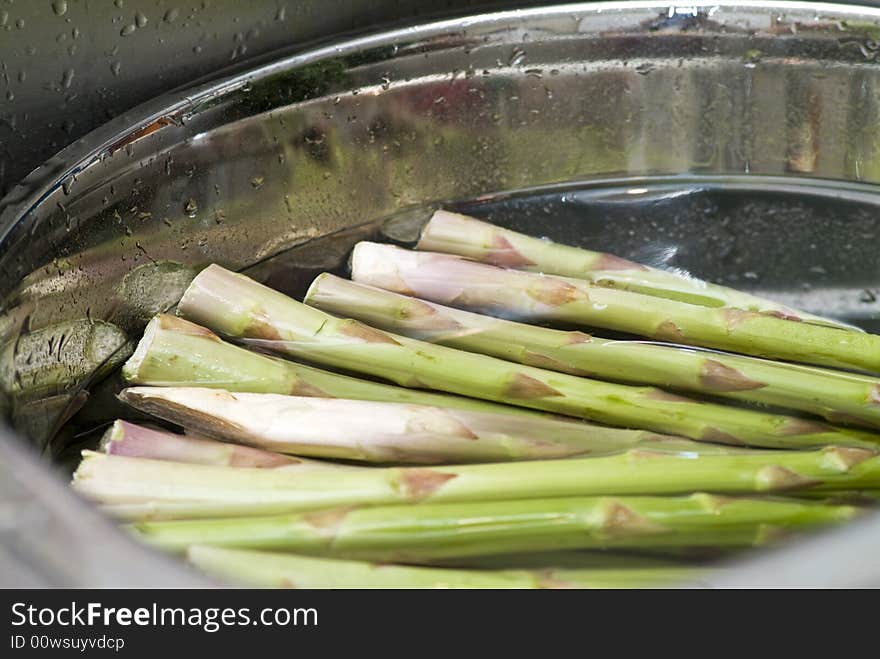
739, 141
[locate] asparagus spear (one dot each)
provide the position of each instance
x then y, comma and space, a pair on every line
236, 306
387, 432
136, 487
459, 282
838, 396
134, 441
452, 233
175, 352
438, 531
273, 570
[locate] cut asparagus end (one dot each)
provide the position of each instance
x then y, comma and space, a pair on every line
135, 441
369, 264
163, 322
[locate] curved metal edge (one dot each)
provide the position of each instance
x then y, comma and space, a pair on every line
39, 543
834, 559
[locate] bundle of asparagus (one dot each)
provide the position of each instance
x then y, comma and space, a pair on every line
456, 281
237, 306
835, 395
660, 476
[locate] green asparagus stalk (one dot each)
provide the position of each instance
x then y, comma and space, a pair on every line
458, 282
175, 352
452, 233
387, 432
835, 395
414, 534
134, 441
139, 488
236, 306
274, 570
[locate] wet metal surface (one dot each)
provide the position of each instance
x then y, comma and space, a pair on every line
739, 143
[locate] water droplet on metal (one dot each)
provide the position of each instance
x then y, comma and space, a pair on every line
19, 23
118, 3
59, 7
516, 57
257, 182
197, 49
128, 29
139, 19
67, 78
282, 14
191, 207
115, 67
171, 15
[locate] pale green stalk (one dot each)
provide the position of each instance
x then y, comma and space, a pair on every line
453, 233
140, 488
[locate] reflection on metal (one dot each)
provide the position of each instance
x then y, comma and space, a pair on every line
292, 162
